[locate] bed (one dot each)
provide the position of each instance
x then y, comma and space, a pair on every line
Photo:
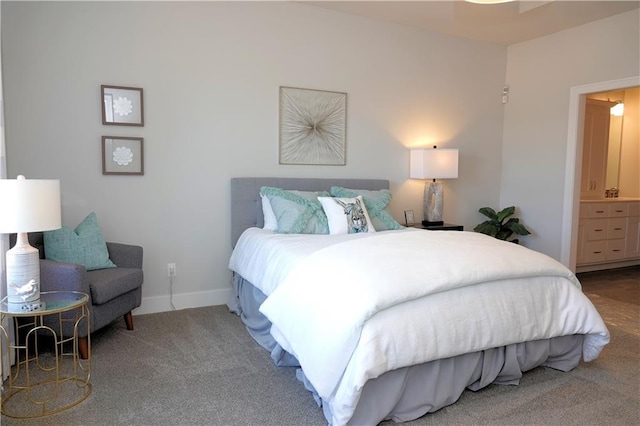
398, 323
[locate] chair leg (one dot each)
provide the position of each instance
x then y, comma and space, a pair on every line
128, 319
83, 347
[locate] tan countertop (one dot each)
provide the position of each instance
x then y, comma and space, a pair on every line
609, 200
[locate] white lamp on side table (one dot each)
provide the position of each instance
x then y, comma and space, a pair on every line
433, 164
27, 205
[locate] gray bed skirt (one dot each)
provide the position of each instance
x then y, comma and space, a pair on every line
411, 392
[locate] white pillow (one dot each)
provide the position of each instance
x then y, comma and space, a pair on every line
346, 215
270, 221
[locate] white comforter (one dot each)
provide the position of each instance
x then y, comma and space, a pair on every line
264, 258
355, 309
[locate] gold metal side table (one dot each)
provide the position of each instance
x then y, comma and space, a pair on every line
41, 383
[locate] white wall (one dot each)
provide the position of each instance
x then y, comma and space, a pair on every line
4, 239
540, 74
210, 73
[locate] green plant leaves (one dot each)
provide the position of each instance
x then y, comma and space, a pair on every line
489, 212
504, 233
488, 227
496, 227
505, 213
514, 225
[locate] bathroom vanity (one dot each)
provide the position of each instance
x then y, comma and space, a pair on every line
608, 234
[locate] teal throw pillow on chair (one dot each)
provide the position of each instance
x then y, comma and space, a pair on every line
84, 245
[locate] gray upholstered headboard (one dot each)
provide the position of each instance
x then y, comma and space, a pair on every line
246, 206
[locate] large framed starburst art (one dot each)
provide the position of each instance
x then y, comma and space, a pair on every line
313, 126
122, 155
122, 106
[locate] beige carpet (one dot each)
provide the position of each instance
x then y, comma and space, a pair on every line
200, 367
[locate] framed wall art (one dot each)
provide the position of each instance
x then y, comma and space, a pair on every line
313, 126
122, 106
408, 218
122, 155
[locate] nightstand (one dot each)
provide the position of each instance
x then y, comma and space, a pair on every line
443, 227
42, 383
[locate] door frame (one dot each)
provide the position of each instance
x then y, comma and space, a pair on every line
573, 173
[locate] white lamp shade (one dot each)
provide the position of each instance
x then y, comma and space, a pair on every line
29, 205
433, 164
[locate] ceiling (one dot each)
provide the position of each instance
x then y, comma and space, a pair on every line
504, 23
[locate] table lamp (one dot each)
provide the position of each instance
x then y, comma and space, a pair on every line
28, 205
433, 164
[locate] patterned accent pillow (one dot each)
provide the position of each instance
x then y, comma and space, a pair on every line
297, 212
346, 215
84, 245
377, 203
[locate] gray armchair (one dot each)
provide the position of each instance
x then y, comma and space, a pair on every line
113, 292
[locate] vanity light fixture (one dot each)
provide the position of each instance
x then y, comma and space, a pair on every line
618, 109
433, 164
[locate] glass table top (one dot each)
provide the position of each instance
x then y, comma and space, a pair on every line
50, 302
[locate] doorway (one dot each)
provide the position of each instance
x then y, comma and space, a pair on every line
573, 169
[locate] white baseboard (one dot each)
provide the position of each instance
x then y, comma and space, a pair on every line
603, 266
151, 305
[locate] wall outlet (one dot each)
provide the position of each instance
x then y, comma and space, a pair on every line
171, 270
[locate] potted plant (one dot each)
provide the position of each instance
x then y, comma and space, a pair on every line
501, 225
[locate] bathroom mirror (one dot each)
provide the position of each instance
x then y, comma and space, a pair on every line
620, 166
613, 152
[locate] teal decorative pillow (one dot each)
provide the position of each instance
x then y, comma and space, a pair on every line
377, 203
297, 212
84, 245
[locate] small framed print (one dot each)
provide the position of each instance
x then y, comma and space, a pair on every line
122, 155
408, 218
122, 106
